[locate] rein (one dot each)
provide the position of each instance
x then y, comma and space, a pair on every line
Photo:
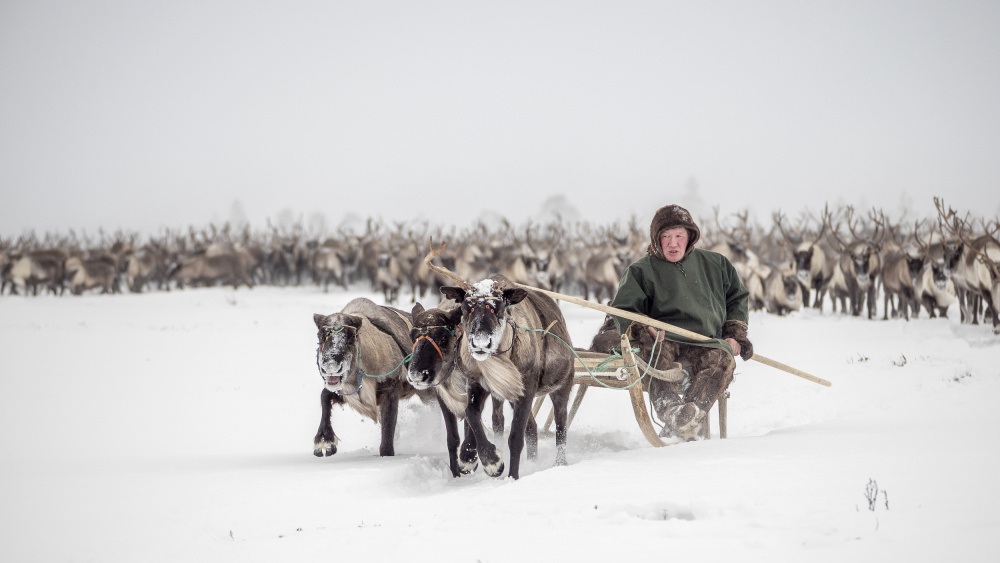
611, 358
513, 339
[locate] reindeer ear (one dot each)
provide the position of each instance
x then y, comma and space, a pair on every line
455, 316
417, 309
514, 296
320, 320
456, 294
352, 320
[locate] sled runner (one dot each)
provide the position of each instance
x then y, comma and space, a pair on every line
595, 369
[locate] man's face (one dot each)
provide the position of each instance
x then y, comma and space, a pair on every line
673, 242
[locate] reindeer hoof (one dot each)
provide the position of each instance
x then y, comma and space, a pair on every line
329, 451
467, 466
324, 448
494, 470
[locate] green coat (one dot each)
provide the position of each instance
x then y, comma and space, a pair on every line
699, 293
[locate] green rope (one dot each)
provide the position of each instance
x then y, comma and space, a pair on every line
390, 372
603, 363
614, 357
611, 358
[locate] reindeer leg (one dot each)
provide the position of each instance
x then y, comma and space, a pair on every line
387, 413
489, 455
560, 401
468, 456
531, 437
872, 302
451, 440
498, 422
518, 425
325, 442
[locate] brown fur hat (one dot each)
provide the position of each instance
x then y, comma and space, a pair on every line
668, 217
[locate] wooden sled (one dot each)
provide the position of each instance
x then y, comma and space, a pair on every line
622, 373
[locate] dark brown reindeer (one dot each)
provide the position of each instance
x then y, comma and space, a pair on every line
933, 287
505, 353
46, 267
4, 265
211, 268
146, 266
966, 259
988, 256
550, 266
813, 268
361, 360
783, 292
604, 264
993, 266
436, 336
900, 273
736, 244
83, 274
854, 279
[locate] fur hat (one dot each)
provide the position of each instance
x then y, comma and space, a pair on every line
668, 217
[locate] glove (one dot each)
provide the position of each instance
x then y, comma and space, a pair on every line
737, 330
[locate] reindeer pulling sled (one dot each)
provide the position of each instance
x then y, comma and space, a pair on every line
625, 371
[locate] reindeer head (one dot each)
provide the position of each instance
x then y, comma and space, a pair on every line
485, 313
803, 264
940, 274
914, 264
436, 335
337, 354
861, 257
793, 292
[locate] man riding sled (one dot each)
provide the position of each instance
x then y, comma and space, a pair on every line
694, 289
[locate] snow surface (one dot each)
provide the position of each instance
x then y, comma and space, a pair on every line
178, 427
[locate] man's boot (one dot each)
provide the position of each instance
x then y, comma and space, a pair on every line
685, 421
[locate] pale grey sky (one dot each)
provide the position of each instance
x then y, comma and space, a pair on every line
138, 115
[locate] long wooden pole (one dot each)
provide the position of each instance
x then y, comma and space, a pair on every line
670, 328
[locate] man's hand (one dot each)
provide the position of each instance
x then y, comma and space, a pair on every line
657, 334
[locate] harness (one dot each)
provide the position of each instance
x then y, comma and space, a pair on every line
423, 332
513, 338
484, 302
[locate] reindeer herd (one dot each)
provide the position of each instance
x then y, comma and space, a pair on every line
386, 259
918, 266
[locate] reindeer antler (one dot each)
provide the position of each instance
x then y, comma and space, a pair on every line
981, 251
825, 223
778, 217
986, 260
916, 236
434, 253
834, 231
950, 221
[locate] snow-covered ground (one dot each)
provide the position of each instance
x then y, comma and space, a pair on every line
178, 427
